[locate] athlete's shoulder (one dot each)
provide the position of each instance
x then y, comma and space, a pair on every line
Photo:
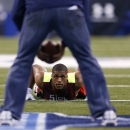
71, 77
47, 76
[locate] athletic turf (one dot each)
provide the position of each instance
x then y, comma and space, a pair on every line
101, 46
118, 85
117, 79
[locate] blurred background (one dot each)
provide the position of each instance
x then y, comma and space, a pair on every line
106, 17
108, 23
109, 26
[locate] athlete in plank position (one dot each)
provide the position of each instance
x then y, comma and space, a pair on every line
58, 85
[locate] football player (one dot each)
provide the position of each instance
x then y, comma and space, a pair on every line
56, 85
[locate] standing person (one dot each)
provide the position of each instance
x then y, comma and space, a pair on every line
35, 19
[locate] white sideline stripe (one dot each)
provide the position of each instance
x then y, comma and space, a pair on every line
41, 100
2, 85
120, 86
105, 62
111, 86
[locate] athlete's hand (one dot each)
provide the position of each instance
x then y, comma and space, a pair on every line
29, 95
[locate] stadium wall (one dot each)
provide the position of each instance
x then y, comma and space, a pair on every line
107, 17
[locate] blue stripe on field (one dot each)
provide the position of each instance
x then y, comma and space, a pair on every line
31, 121
50, 121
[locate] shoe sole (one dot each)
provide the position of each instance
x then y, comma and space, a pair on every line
109, 123
9, 123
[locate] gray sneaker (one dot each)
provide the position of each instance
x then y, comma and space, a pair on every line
6, 118
109, 118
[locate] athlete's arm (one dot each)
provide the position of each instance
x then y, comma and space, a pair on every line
37, 76
78, 81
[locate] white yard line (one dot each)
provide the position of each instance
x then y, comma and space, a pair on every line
2, 85
114, 62
118, 86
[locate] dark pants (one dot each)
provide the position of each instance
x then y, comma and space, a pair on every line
71, 27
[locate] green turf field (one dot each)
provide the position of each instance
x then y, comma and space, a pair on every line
118, 80
101, 46
117, 92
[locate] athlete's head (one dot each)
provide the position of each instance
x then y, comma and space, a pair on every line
59, 76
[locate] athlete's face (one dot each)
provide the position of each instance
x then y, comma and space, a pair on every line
59, 79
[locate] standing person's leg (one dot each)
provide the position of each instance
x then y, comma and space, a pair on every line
72, 28
34, 30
